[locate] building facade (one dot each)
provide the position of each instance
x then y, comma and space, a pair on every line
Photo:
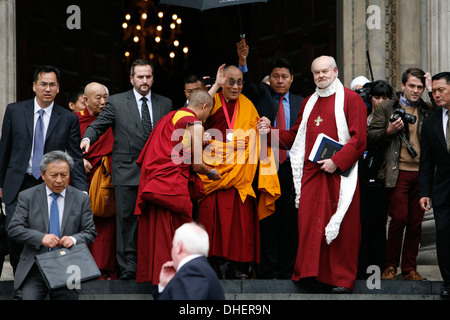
394, 34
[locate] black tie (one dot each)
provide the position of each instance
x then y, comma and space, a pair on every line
146, 121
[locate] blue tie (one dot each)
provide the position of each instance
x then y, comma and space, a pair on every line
38, 151
54, 216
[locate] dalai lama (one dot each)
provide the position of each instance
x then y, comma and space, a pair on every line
230, 211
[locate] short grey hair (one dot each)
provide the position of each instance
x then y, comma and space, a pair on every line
194, 238
331, 59
199, 97
55, 156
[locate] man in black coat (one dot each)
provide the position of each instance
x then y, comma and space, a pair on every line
24, 124
278, 232
434, 172
189, 276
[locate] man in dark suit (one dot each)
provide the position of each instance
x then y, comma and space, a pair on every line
31, 129
41, 228
132, 115
278, 231
434, 172
189, 276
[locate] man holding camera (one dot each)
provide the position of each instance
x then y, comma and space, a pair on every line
397, 124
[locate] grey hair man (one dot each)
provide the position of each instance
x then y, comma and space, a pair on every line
189, 276
50, 215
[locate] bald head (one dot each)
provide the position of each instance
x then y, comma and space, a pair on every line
199, 97
201, 103
96, 96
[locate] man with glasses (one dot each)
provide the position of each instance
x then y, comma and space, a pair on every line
229, 211
30, 129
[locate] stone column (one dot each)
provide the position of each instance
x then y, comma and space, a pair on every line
438, 35
355, 39
408, 36
7, 54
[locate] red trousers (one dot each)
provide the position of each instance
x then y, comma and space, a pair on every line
406, 219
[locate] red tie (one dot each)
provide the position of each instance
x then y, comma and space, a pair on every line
281, 124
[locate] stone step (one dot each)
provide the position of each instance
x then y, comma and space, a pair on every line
262, 290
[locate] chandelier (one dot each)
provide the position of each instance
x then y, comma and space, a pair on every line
153, 33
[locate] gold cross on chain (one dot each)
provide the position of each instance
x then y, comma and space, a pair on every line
318, 121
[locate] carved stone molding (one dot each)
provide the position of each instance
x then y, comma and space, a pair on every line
391, 41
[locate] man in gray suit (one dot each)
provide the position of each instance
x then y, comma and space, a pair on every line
132, 116
40, 228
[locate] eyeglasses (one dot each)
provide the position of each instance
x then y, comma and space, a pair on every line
45, 85
232, 82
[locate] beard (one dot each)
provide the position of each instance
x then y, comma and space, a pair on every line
141, 90
325, 83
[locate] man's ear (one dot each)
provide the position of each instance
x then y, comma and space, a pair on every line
180, 247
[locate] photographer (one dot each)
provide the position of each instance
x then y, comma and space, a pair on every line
373, 194
397, 124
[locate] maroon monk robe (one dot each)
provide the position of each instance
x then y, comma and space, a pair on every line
103, 249
164, 200
232, 225
335, 264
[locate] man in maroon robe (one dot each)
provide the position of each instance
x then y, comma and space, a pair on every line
103, 248
169, 162
328, 202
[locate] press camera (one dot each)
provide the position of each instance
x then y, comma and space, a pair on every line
406, 117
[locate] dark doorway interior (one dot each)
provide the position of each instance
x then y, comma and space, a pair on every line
296, 30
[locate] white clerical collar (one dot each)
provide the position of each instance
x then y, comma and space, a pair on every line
327, 92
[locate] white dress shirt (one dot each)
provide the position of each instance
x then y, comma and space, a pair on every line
444, 121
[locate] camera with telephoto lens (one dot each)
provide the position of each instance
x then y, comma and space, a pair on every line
401, 113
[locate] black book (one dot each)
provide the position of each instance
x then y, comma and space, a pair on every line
325, 148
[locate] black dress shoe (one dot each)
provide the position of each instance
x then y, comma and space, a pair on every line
341, 290
445, 292
17, 295
127, 276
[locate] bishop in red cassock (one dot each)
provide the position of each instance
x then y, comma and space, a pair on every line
328, 202
169, 163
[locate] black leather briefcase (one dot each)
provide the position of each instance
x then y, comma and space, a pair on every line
67, 267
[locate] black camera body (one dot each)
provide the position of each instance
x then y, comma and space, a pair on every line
401, 113
364, 93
